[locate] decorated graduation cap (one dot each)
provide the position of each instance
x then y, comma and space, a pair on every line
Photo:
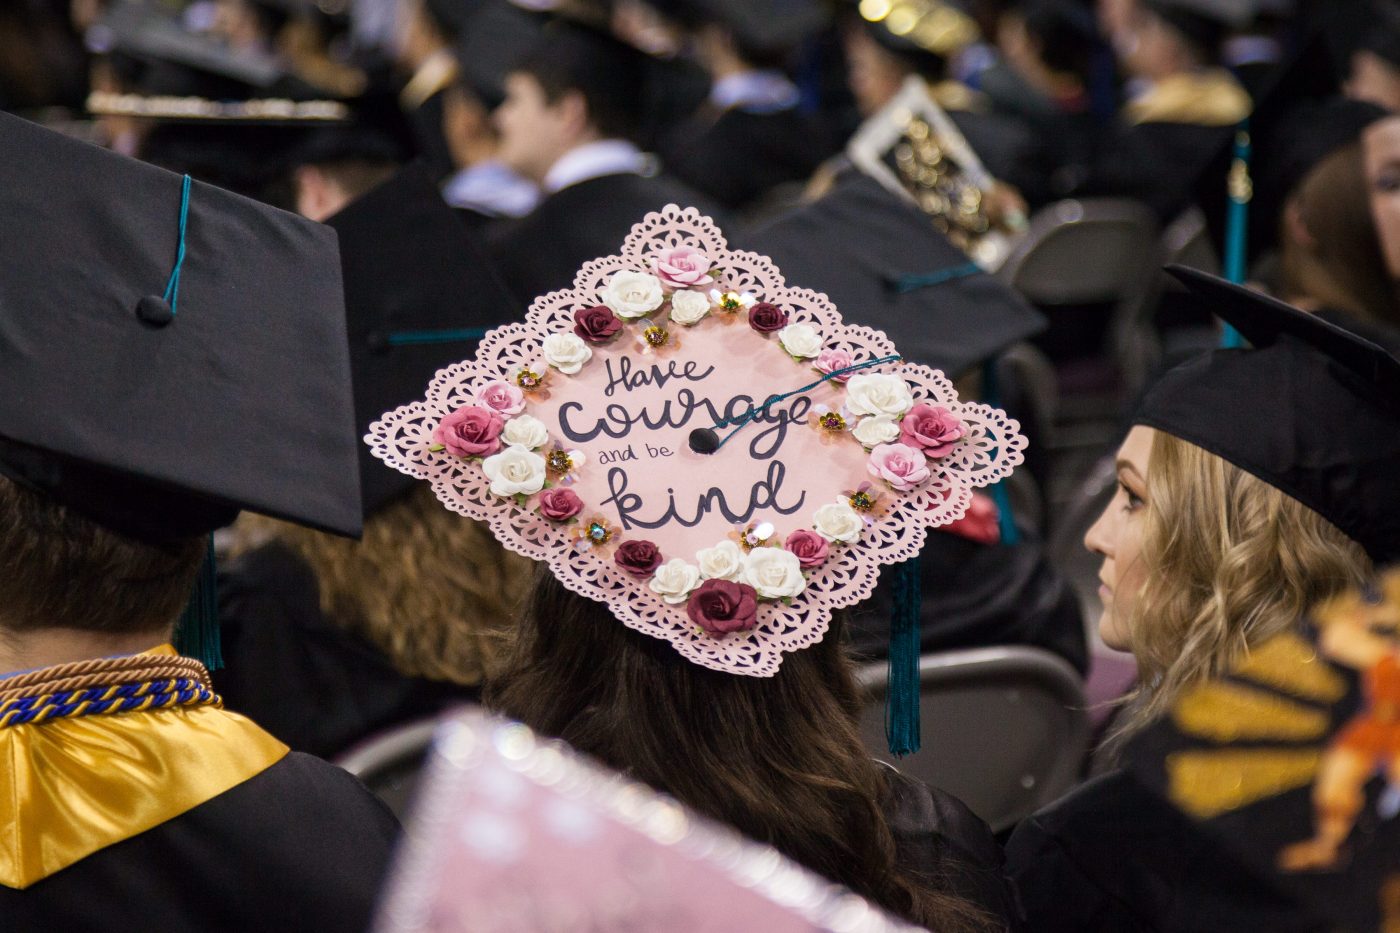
1311, 409
709, 451
880, 258
170, 353
419, 293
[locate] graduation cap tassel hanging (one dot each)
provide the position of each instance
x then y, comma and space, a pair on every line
197, 634
902, 688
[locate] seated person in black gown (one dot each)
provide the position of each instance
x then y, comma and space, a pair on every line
567, 123
132, 425
329, 641
1254, 484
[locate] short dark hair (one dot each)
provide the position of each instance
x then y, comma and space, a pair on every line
608, 73
59, 569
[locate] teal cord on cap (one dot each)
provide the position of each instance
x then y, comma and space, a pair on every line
1241, 192
172, 287
910, 283
407, 338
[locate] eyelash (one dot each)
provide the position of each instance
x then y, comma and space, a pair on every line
1134, 501
1388, 182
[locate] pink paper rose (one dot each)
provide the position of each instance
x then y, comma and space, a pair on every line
931, 428
719, 606
901, 466
829, 361
811, 548
470, 431
502, 397
560, 504
682, 267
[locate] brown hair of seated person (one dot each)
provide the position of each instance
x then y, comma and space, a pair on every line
779, 758
58, 569
432, 591
1331, 250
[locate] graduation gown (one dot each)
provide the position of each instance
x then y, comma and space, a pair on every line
736, 157
542, 251
186, 817
314, 685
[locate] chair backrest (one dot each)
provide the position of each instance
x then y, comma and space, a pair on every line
1186, 242
1079, 252
390, 762
1003, 729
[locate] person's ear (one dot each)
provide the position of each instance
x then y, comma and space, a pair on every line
1295, 225
572, 108
314, 193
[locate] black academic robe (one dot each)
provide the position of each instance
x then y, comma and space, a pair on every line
978, 595
1156, 163
736, 157
311, 683
542, 251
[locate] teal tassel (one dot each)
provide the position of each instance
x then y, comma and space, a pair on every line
1241, 192
197, 634
1006, 521
902, 689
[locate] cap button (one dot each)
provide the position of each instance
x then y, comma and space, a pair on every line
155, 310
704, 441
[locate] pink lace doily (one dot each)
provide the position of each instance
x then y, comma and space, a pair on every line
817, 467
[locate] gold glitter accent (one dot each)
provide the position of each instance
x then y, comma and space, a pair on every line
558, 461
599, 532
731, 301
832, 421
939, 185
1206, 784
528, 379
656, 336
1289, 662
862, 501
1225, 712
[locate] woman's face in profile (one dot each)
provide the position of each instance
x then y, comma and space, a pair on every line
1381, 150
1117, 537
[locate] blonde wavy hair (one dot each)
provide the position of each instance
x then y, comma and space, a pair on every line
432, 590
1231, 562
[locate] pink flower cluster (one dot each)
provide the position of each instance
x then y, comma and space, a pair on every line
682, 267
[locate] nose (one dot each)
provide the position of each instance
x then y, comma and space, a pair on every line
1099, 538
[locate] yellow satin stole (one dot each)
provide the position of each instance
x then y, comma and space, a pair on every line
1208, 98
71, 787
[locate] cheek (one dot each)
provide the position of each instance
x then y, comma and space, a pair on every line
1386, 208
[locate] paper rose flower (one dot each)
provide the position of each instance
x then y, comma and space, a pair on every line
830, 361
774, 573
515, 471
901, 466
639, 558
878, 394
837, 521
724, 561
525, 431
689, 307
719, 606
674, 580
931, 428
470, 431
502, 397
801, 341
872, 432
560, 504
633, 294
682, 267
596, 325
811, 548
566, 352
767, 318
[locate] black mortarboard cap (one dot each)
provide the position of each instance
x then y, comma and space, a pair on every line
883, 264
452, 16
1379, 30
419, 293
160, 413
497, 38
760, 25
1312, 410
1204, 22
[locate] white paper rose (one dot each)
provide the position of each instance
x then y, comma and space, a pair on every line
801, 341
724, 561
837, 521
525, 431
566, 352
878, 394
674, 580
514, 471
633, 294
689, 307
773, 572
871, 432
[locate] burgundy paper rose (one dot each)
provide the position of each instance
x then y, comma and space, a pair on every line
470, 431
596, 325
719, 606
639, 558
560, 504
767, 318
811, 548
931, 428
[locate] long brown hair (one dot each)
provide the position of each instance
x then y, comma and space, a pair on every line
779, 758
432, 590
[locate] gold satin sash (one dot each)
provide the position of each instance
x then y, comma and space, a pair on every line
71, 787
1208, 98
